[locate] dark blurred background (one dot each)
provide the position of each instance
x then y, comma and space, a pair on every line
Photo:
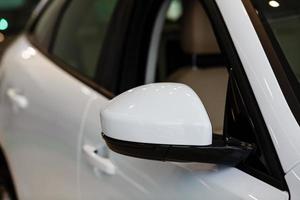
14, 15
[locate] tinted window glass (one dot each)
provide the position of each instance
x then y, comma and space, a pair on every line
46, 24
189, 53
284, 20
81, 33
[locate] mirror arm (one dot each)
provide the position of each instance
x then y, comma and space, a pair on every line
229, 152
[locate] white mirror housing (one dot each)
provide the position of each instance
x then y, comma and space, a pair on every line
168, 122
159, 113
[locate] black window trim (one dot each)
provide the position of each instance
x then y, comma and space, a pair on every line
69, 69
265, 140
139, 37
57, 61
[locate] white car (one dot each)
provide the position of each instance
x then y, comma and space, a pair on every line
210, 108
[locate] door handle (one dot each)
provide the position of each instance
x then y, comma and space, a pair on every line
99, 162
18, 99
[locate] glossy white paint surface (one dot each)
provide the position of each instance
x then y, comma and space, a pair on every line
137, 179
17, 99
282, 125
45, 139
39, 123
158, 113
293, 180
100, 163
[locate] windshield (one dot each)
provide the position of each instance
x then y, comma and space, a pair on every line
280, 37
281, 21
283, 18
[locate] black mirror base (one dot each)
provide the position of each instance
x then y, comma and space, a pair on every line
229, 152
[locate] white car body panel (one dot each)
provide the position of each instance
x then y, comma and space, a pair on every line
146, 179
44, 139
40, 141
293, 180
281, 123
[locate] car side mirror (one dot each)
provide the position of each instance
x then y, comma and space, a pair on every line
168, 122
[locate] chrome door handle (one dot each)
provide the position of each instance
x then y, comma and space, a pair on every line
99, 162
18, 99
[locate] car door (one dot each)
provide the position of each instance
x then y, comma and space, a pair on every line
145, 179
109, 175
44, 94
39, 145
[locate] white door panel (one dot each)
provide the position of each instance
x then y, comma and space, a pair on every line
41, 112
145, 179
293, 181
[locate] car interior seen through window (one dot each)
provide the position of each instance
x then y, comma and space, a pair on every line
189, 53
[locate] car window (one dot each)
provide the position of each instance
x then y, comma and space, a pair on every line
188, 53
81, 32
44, 27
